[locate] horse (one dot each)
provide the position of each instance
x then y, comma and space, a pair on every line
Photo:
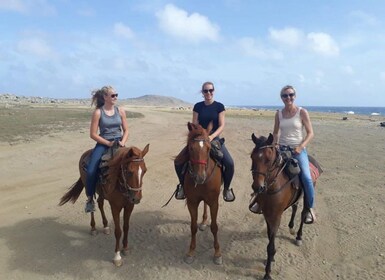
122, 188
202, 182
276, 192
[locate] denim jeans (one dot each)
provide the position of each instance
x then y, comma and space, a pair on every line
305, 175
93, 168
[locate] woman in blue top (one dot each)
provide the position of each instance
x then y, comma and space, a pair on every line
205, 112
112, 125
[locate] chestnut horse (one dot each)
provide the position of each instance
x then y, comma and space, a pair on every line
122, 189
276, 192
202, 182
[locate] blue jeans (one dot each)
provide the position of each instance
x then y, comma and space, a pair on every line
305, 175
93, 168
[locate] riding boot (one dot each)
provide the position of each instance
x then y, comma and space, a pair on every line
228, 194
179, 192
90, 205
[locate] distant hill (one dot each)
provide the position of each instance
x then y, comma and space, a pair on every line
145, 100
155, 100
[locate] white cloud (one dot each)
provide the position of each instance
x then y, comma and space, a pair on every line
194, 28
13, 5
122, 30
348, 69
382, 76
289, 36
250, 47
41, 7
35, 46
323, 43
365, 18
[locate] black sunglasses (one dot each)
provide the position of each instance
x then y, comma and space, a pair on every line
287, 95
114, 95
208, 90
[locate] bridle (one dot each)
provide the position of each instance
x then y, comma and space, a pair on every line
276, 166
123, 180
203, 162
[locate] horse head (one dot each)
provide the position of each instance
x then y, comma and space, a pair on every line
199, 146
130, 168
263, 158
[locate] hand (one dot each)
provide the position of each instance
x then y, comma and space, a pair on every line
110, 143
121, 144
298, 150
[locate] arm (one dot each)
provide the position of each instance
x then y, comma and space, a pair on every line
94, 129
221, 123
195, 118
122, 114
276, 128
309, 130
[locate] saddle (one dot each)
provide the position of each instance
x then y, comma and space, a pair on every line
103, 165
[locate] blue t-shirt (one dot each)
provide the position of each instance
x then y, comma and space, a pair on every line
208, 113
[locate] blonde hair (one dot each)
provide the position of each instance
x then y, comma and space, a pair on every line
98, 95
288, 87
207, 83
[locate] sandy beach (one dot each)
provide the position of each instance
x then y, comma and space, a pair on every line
40, 240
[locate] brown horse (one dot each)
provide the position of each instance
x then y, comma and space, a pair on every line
122, 189
202, 182
276, 192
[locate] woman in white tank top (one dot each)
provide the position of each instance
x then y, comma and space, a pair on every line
293, 125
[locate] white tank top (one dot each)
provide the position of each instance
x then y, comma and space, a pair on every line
291, 129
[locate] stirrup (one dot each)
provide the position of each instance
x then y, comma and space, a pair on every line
254, 207
179, 192
228, 195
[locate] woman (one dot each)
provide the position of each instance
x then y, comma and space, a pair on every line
291, 121
205, 112
112, 125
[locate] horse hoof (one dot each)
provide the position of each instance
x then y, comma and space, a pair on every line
125, 252
292, 231
202, 227
118, 263
189, 259
93, 232
298, 242
106, 230
218, 260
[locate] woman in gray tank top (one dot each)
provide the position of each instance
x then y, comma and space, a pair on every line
111, 122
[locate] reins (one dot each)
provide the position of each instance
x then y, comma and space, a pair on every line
126, 186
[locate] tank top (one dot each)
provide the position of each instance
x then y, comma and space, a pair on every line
291, 129
110, 126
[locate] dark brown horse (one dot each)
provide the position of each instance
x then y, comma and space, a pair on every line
277, 192
122, 189
202, 182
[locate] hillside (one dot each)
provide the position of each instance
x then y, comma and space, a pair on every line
146, 100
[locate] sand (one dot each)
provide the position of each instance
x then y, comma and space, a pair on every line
40, 240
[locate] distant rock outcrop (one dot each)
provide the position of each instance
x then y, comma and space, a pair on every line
146, 100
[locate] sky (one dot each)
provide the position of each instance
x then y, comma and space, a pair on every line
332, 52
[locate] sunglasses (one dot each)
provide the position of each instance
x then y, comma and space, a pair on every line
287, 95
114, 95
208, 90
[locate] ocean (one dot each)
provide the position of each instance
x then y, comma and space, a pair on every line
368, 111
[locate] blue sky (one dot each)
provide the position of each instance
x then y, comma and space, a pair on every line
331, 51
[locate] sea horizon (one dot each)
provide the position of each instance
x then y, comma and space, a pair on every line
349, 110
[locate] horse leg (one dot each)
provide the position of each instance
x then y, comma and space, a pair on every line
294, 208
126, 226
193, 209
118, 233
106, 228
298, 239
214, 229
92, 223
203, 224
272, 228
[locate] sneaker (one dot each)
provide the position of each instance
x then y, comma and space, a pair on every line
228, 195
179, 193
310, 217
90, 206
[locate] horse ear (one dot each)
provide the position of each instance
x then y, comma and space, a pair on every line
270, 139
189, 126
145, 150
254, 138
209, 127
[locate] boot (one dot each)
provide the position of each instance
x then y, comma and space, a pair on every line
228, 194
254, 205
90, 205
179, 193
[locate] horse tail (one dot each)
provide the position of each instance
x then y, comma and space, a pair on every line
73, 193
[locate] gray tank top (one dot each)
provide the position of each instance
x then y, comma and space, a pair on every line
110, 127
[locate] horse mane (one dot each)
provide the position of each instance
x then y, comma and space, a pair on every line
196, 130
261, 141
